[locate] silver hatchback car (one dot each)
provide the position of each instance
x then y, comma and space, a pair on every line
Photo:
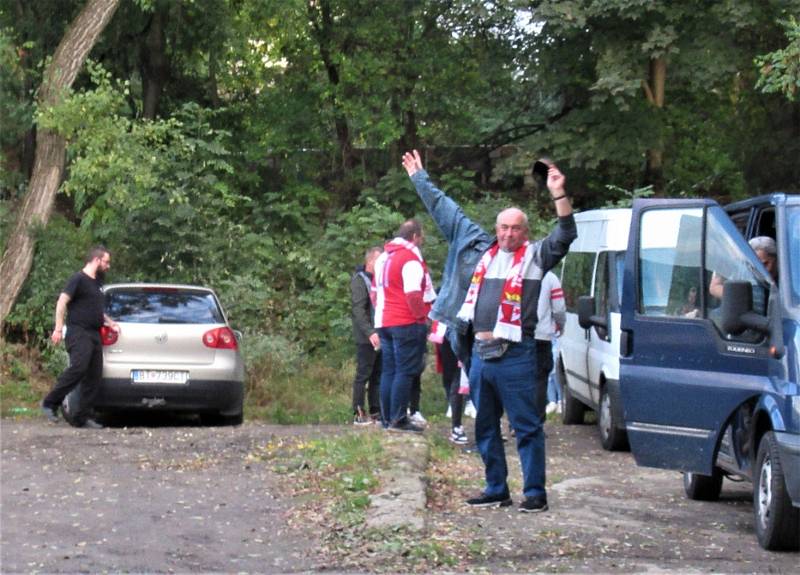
175, 352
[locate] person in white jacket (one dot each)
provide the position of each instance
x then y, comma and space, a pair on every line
552, 314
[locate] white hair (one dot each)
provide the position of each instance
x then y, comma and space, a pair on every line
765, 244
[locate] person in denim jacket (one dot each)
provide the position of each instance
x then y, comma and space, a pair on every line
488, 299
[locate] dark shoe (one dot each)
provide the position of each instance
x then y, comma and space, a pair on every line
50, 413
533, 504
92, 424
406, 427
360, 419
483, 500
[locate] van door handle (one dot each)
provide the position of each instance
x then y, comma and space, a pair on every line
625, 343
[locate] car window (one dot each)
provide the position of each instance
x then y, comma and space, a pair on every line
793, 252
724, 260
619, 264
576, 278
159, 305
669, 259
601, 285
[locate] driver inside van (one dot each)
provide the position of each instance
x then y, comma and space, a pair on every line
767, 253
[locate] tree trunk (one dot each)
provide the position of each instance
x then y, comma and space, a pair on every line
654, 91
319, 13
155, 64
48, 166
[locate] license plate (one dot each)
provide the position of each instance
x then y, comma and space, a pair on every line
159, 376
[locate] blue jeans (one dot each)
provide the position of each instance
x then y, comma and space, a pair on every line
553, 389
403, 352
510, 383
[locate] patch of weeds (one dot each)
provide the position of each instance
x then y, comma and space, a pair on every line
441, 450
343, 468
22, 385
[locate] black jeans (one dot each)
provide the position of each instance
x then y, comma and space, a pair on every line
451, 381
85, 369
368, 375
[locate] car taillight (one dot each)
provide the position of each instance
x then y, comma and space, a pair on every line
220, 338
108, 336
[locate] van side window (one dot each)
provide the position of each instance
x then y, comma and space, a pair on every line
601, 285
577, 278
724, 262
669, 259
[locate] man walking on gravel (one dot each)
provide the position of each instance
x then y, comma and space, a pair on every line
489, 295
82, 302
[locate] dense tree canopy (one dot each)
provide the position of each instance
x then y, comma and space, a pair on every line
254, 145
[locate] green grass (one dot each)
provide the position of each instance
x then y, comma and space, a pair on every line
345, 467
22, 383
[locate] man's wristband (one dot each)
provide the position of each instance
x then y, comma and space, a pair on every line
561, 197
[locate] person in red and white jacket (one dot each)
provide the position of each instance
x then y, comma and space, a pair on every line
552, 313
400, 283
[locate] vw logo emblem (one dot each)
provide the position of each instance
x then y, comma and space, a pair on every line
161, 338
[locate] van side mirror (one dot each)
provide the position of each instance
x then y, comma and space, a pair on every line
586, 317
737, 309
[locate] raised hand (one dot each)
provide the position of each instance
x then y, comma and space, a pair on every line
412, 162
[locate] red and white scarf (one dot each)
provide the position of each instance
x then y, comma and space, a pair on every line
509, 313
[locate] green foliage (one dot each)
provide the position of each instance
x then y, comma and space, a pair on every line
60, 250
346, 466
779, 71
16, 114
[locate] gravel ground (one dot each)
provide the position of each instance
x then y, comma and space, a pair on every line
608, 515
144, 499
167, 496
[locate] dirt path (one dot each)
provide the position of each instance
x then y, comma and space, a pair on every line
180, 498
144, 499
608, 515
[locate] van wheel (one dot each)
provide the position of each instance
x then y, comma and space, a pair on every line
612, 435
703, 487
777, 522
571, 409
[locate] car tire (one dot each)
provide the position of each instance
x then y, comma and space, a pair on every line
613, 436
703, 487
572, 410
777, 521
69, 406
219, 420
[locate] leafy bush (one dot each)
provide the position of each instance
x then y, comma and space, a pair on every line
60, 250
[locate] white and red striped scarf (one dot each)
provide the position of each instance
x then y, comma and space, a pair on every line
509, 313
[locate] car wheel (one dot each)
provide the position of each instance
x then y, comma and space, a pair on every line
69, 406
777, 522
703, 487
217, 419
571, 409
612, 436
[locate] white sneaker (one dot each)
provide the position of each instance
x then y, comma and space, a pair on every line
558, 407
449, 413
469, 409
458, 436
417, 419
551, 408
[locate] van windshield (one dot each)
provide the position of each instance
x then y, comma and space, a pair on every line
793, 249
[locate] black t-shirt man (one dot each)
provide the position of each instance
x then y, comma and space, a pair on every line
86, 304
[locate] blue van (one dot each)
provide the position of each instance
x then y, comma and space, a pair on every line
709, 383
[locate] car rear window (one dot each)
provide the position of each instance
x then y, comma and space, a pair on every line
158, 305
